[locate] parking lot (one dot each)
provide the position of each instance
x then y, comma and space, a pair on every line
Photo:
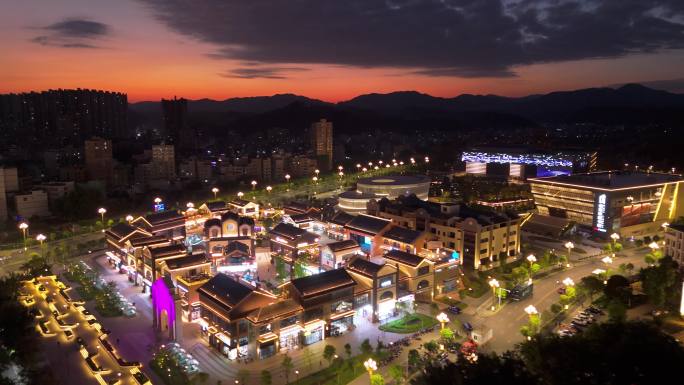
75, 344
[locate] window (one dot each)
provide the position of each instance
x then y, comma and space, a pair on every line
386, 281
263, 329
387, 295
483, 251
423, 284
288, 321
313, 314
423, 270
483, 240
340, 306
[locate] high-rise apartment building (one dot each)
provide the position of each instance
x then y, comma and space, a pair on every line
175, 113
57, 117
163, 163
3, 196
321, 138
98, 159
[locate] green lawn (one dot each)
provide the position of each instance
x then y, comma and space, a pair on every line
339, 373
409, 323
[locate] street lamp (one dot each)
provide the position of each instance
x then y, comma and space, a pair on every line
442, 318
157, 200
102, 212
253, 183
370, 366
531, 259
364, 169
568, 282
654, 246
569, 245
607, 260
268, 189
317, 171
495, 285
531, 310
215, 190
23, 226
40, 238
240, 194
129, 218
615, 237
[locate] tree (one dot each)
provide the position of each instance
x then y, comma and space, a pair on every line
520, 274
659, 281
413, 359
266, 378
348, 350
507, 368
287, 367
36, 266
534, 269
446, 334
377, 379
201, 378
366, 348
329, 353
556, 308
592, 284
617, 311
617, 288
396, 372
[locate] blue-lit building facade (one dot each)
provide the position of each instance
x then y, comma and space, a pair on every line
526, 163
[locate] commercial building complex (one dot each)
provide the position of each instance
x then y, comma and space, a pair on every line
321, 139
630, 203
391, 186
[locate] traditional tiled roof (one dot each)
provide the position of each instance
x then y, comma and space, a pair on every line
364, 267
187, 261
368, 224
276, 309
226, 290
404, 257
122, 230
216, 206
236, 247
402, 234
212, 222
323, 282
162, 217
148, 240
299, 218
341, 218
287, 230
342, 245
239, 202
167, 251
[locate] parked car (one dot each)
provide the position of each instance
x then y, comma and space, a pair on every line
561, 290
467, 326
454, 309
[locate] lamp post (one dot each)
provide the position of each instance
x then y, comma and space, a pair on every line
40, 238
531, 259
23, 226
215, 190
443, 319
240, 194
654, 246
569, 245
102, 212
253, 183
157, 200
268, 189
370, 366
129, 218
495, 285
615, 237
568, 282
287, 180
317, 171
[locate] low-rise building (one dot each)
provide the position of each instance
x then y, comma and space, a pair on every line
244, 208
674, 243
336, 254
367, 231
32, 204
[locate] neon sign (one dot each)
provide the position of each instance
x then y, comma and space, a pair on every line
601, 213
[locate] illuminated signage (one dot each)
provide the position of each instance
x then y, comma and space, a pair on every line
454, 255
601, 213
159, 207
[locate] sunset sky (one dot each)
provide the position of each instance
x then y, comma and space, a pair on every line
334, 50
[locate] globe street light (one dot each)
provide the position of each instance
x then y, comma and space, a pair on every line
531, 259
129, 218
569, 245
157, 200
317, 171
370, 366
287, 179
102, 212
268, 189
568, 282
215, 190
654, 246
531, 310
607, 260
615, 237
23, 226
253, 183
240, 194
40, 238
495, 286
442, 318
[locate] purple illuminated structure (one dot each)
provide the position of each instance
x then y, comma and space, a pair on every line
162, 300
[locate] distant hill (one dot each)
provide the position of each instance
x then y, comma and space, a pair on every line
604, 104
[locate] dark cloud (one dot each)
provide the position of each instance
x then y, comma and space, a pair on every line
261, 72
467, 38
73, 33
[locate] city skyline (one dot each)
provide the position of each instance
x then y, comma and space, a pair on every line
152, 50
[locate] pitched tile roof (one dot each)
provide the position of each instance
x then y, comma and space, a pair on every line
364, 267
368, 224
287, 230
187, 261
402, 234
323, 282
342, 245
404, 257
341, 218
216, 206
167, 251
276, 309
225, 289
148, 240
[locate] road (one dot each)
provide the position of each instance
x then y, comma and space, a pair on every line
11, 260
506, 323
